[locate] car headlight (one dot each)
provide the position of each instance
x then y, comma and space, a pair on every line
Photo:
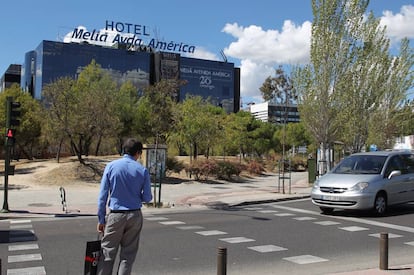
316, 184
360, 186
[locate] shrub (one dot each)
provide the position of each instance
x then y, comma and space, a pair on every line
255, 168
227, 169
173, 165
193, 169
208, 168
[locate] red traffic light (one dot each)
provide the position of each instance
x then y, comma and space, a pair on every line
10, 133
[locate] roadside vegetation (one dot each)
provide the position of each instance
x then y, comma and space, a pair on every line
354, 92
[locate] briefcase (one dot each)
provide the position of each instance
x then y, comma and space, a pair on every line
92, 255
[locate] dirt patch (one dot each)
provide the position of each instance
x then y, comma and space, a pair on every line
68, 171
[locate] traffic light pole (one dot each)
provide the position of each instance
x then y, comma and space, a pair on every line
6, 180
7, 158
12, 119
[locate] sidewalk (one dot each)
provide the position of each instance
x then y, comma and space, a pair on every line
46, 201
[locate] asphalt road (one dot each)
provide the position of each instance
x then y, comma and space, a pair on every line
278, 238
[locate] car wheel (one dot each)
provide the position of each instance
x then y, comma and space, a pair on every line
326, 210
380, 204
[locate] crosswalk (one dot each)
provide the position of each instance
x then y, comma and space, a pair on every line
299, 215
24, 256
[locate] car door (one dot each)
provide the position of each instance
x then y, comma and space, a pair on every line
397, 187
408, 175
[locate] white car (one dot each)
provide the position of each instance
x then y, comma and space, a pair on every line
372, 180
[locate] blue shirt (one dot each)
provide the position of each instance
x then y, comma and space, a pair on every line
127, 183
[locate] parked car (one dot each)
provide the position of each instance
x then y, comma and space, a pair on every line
372, 180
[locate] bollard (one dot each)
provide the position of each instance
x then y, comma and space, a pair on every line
222, 261
383, 264
63, 197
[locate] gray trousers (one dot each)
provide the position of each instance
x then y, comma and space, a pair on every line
121, 230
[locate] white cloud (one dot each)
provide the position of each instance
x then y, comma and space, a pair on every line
401, 24
261, 51
202, 53
252, 76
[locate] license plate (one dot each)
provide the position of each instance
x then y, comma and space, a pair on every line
331, 198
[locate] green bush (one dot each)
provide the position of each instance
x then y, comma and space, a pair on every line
173, 165
227, 169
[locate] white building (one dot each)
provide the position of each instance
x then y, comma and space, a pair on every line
274, 112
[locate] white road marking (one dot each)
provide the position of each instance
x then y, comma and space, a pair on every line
267, 248
357, 220
237, 240
327, 223
172, 222
190, 227
353, 228
23, 247
211, 233
304, 218
284, 214
21, 226
24, 258
38, 270
305, 259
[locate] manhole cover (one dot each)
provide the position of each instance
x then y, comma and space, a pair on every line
40, 204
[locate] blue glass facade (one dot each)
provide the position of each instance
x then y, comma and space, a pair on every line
53, 60
209, 79
218, 81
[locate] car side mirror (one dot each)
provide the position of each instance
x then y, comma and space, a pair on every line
394, 174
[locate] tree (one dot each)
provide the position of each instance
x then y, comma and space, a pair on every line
394, 110
196, 124
160, 101
58, 100
341, 86
279, 90
29, 131
239, 128
82, 110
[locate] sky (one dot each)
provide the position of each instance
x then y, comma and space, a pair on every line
257, 36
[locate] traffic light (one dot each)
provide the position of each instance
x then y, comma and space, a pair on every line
13, 113
10, 139
12, 120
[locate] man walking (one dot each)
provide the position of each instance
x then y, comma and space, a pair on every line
127, 183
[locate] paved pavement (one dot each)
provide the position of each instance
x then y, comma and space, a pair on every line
46, 201
26, 201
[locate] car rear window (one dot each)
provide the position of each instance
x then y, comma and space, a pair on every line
360, 164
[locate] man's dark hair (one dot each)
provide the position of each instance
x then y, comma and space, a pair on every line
132, 146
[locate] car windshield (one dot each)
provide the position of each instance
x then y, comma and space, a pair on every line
360, 164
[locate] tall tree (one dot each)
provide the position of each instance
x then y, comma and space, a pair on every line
279, 90
341, 86
95, 109
83, 109
395, 110
58, 99
160, 99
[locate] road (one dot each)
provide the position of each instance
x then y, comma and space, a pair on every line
289, 237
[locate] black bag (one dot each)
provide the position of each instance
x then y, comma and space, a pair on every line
92, 255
